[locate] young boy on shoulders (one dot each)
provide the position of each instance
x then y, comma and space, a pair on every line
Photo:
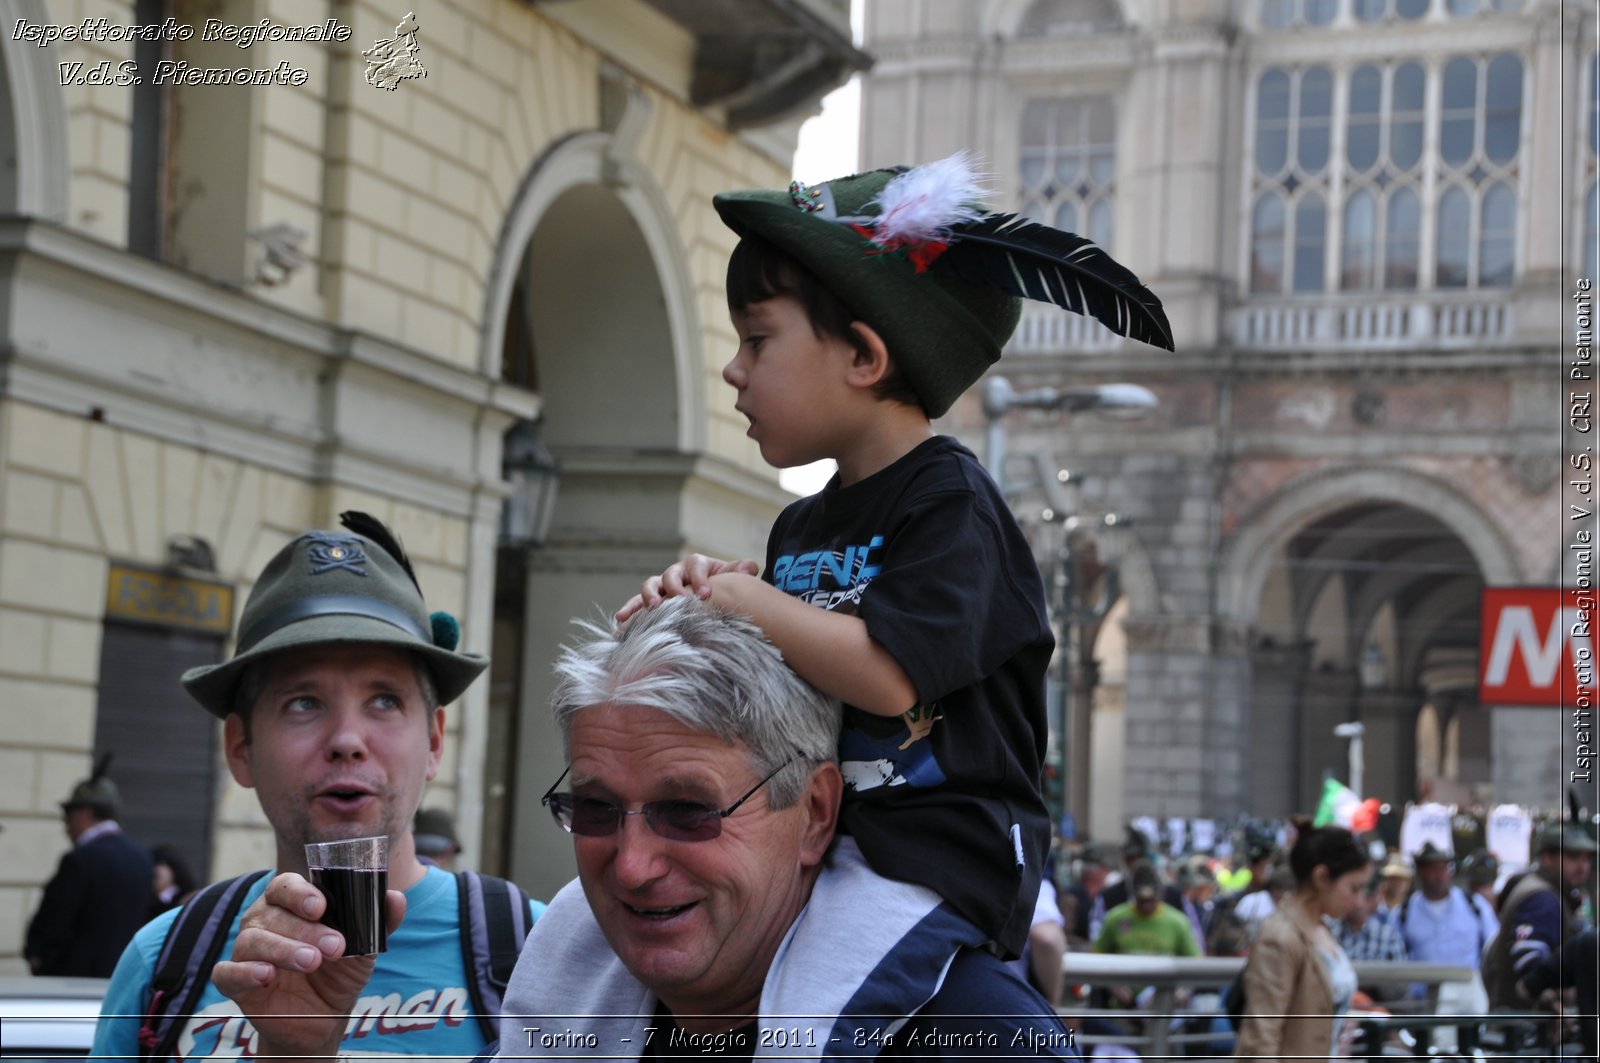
864, 308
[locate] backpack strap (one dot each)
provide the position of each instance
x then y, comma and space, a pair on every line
183, 968
494, 924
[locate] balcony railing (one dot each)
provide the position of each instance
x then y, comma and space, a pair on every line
1331, 323
1046, 329
1344, 323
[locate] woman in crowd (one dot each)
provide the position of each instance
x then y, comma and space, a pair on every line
1298, 981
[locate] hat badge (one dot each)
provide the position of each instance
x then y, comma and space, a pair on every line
329, 552
806, 198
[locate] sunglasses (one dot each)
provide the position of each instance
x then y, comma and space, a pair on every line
676, 820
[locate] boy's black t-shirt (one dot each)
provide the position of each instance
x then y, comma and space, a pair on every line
927, 553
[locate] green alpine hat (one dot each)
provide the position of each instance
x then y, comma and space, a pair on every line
97, 793
347, 586
912, 253
1565, 837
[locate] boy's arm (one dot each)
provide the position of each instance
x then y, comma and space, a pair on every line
831, 651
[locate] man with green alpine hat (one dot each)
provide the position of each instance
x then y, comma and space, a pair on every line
1537, 912
333, 712
101, 891
864, 307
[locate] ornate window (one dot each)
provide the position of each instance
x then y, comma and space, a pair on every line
1068, 166
1282, 14
1344, 196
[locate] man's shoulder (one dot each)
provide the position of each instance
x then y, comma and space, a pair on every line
979, 982
983, 1008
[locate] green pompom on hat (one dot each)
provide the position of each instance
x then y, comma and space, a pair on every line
353, 586
912, 253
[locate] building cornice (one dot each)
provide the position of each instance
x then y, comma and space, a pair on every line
93, 330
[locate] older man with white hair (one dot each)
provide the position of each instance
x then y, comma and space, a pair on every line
702, 791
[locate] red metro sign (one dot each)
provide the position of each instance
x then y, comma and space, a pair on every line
1536, 646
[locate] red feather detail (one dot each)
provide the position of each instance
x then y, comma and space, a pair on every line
925, 254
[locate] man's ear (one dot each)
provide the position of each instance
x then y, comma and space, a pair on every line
871, 362
824, 792
237, 749
435, 742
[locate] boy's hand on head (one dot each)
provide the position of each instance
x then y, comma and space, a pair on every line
691, 576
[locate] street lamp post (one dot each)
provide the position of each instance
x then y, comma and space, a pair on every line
1119, 401
1354, 731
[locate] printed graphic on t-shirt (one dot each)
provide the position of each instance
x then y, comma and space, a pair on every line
220, 1031
891, 755
829, 578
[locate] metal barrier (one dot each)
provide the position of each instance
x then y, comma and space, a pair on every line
1168, 975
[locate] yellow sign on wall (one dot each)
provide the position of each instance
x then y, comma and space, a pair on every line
155, 597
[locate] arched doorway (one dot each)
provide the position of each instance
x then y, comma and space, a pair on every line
1365, 609
588, 311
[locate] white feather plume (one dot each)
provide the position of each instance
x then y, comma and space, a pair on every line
925, 202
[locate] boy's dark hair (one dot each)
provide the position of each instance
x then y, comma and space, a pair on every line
1333, 847
758, 270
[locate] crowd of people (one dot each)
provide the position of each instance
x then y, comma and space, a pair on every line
1325, 897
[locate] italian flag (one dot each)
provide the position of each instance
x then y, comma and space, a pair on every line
1342, 807
1339, 805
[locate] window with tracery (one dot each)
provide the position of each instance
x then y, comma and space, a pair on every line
1345, 195
1298, 14
1068, 165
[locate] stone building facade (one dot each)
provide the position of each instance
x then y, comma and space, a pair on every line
1365, 218
232, 311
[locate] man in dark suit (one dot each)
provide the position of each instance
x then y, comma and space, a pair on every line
101, 893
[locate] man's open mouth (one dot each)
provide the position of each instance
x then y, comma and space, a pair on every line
660, 913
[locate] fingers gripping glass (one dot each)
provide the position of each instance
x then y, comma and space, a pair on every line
679, 821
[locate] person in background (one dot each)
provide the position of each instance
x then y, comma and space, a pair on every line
1145, 926
1136, 850
1088, 902
1440, 921
1198, 884
1298, 980
100, 895
1394, 882
1566, 984
1538, 910
1047, 943
1256, 905
1478, 874
437, 844
1367, 937
173, 880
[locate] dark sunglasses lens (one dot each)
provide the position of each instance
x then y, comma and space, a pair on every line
683, 821
585, 816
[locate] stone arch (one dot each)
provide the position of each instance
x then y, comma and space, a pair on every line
34, 169
582, 173
1244, 561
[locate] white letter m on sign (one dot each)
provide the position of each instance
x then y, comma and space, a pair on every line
1515, 636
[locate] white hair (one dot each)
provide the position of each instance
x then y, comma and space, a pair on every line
710, 670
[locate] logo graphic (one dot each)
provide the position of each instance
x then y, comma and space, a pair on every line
876, 751
328, 552
393, 61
